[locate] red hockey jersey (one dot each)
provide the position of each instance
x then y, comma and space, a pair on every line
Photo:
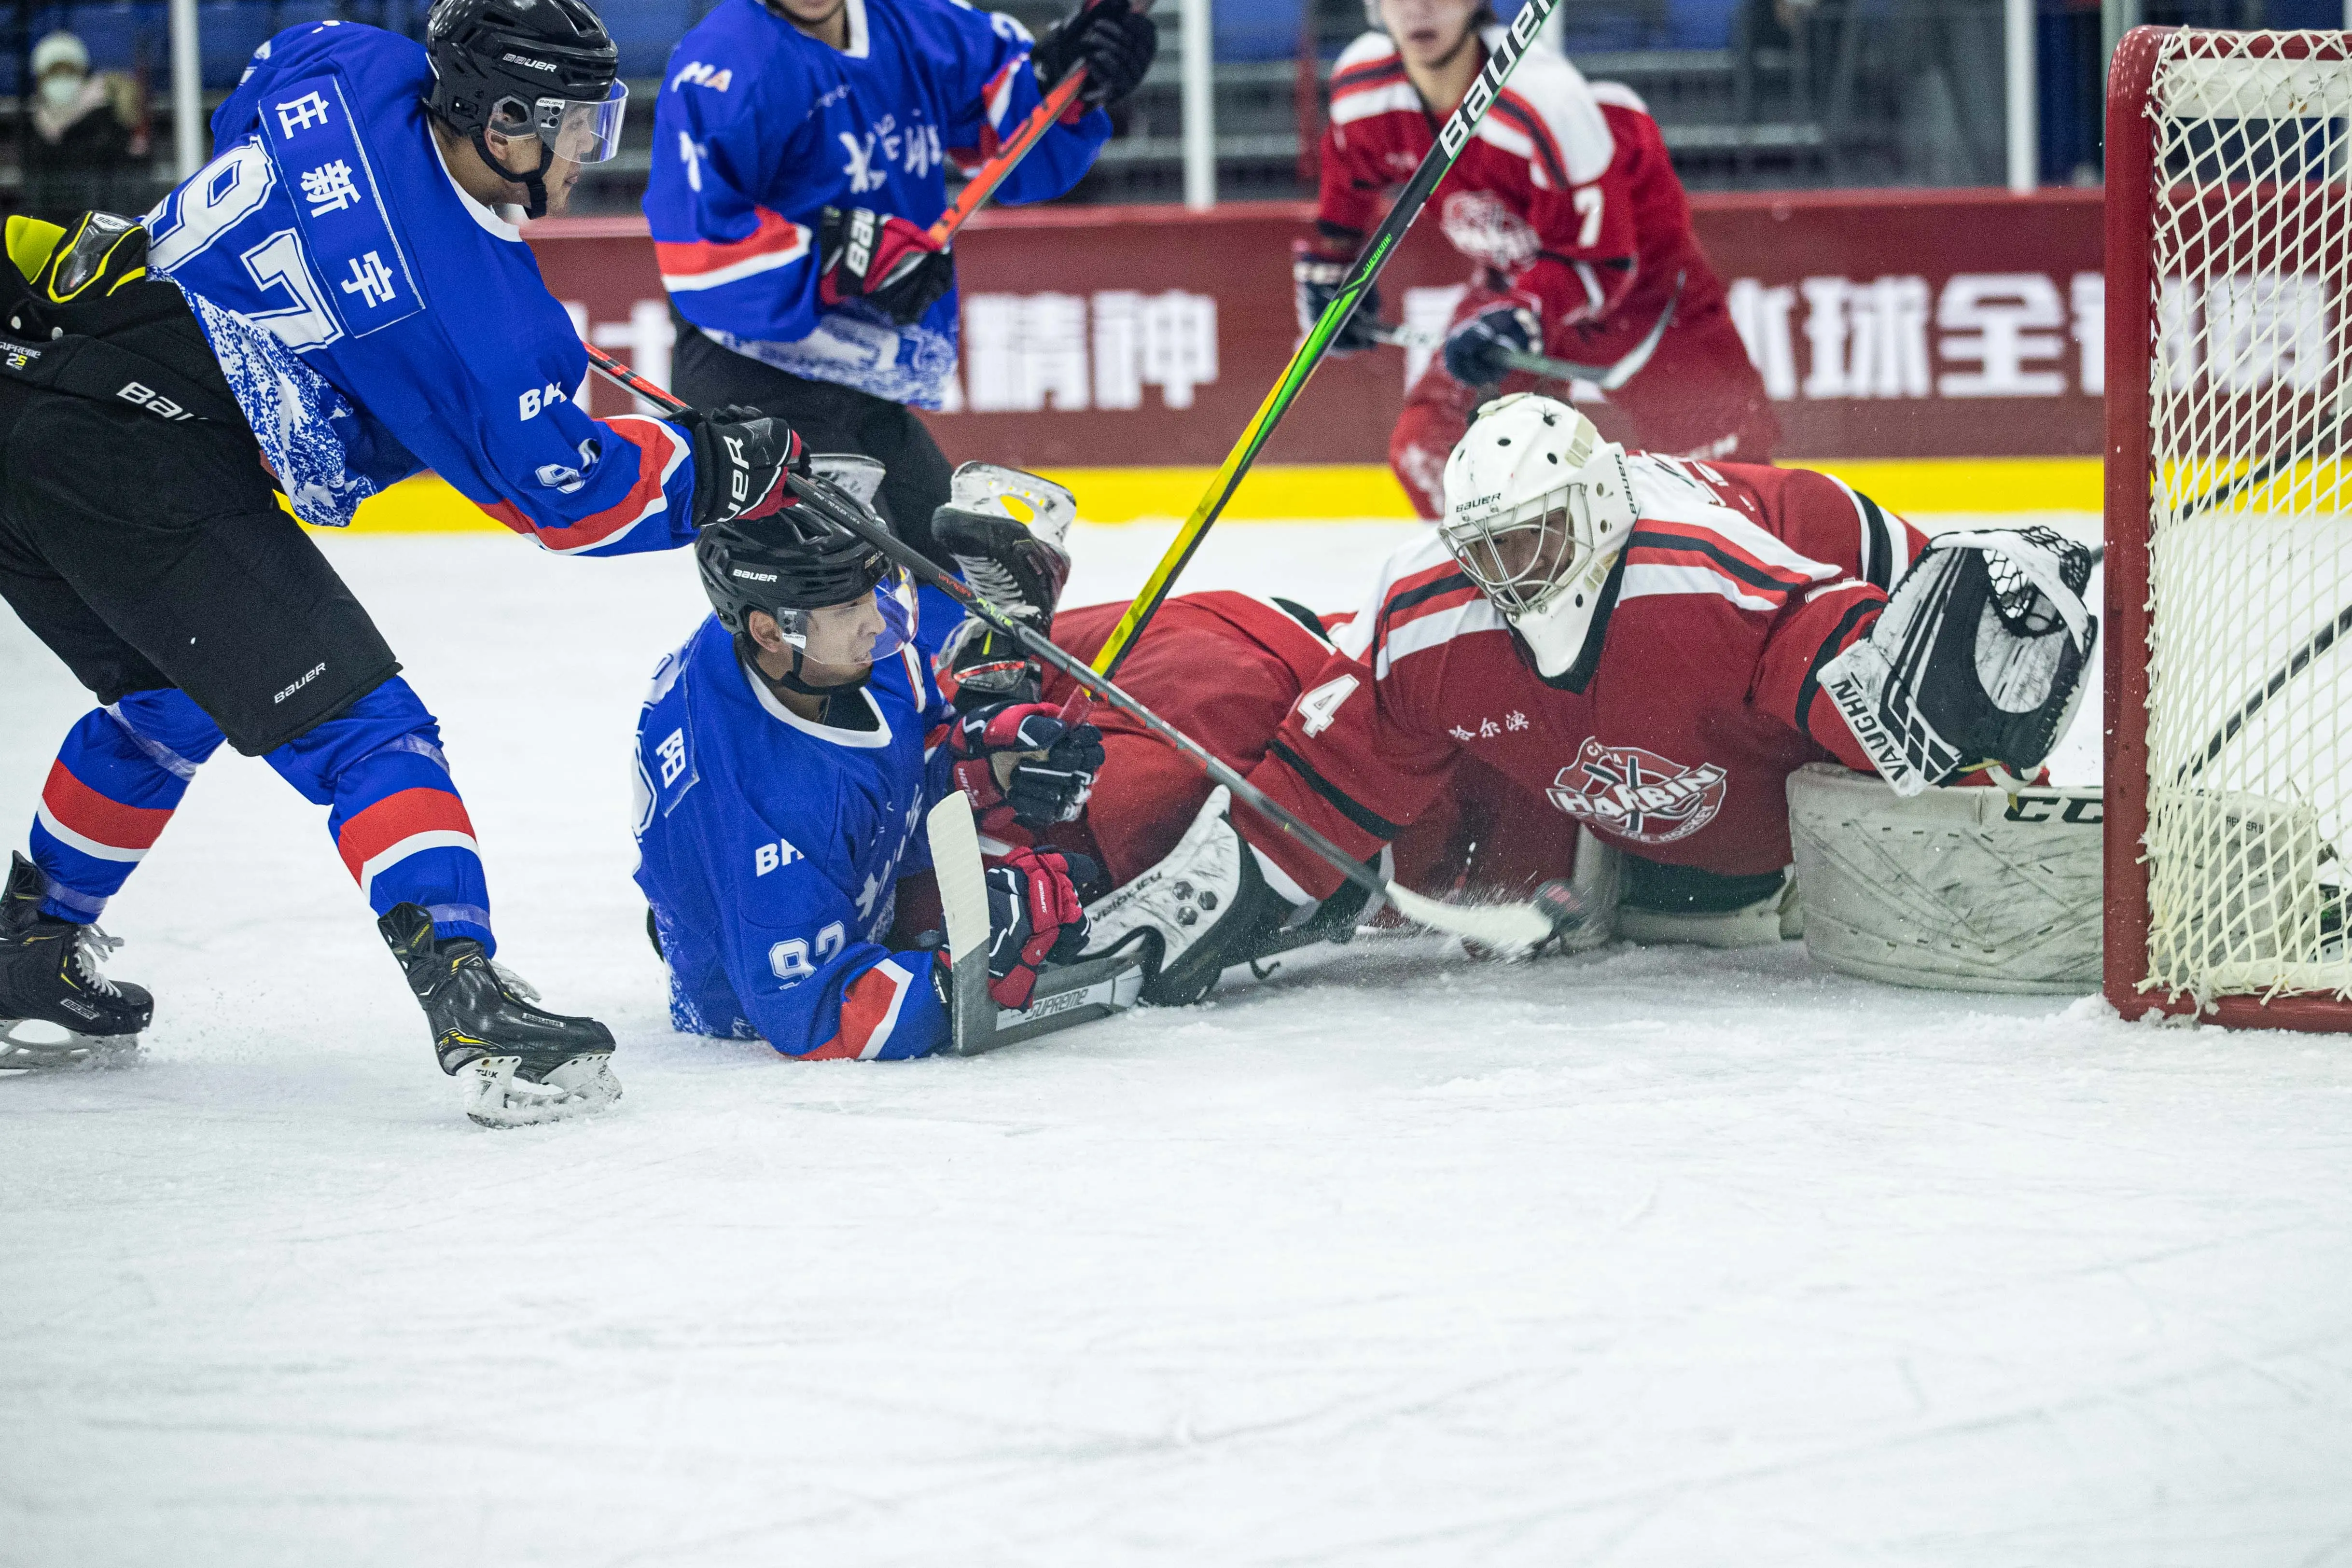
1565, 190
1738, 583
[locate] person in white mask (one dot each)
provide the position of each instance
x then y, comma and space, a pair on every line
82, 154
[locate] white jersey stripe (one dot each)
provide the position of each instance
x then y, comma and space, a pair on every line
1362, 104
1648, 582
1440, 626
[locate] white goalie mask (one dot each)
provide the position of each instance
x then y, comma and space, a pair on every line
1538, 510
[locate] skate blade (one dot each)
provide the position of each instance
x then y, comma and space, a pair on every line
28, 1045
493, 1096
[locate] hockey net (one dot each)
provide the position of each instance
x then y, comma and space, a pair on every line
2229, 525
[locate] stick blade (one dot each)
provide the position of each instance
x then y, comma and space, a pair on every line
1511, 929
963, 897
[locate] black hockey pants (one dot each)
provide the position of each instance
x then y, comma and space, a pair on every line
830, 418
150, 553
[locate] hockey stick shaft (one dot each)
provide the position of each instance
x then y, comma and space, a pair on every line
1452, 137
1501, 926
990, 175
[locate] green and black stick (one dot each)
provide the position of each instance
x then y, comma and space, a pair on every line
1452, 137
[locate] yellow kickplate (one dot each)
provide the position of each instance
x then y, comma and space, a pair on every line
1306, 492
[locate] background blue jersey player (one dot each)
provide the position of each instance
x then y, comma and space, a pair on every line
786, 758
800, 155
333, 301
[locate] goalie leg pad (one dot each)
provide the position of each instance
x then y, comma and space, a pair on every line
1972, 889
1205, 905
1977, 659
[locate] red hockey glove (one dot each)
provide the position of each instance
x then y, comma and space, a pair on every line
1033, 918
1476, 347
1040, 789
1316, 275
887, 261
741, 458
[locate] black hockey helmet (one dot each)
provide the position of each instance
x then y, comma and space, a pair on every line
527, 67
781, 563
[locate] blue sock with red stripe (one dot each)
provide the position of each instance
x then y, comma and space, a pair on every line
116, 781
395, 817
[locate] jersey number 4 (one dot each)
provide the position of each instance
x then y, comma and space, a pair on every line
1318, 707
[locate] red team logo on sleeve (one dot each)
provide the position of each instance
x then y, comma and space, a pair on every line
1637, 794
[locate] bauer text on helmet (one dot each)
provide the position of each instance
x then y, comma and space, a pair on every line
1538, 511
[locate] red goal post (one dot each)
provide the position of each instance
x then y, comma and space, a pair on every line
2229, 526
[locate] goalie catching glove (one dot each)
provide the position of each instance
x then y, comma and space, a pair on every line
1977, 660
1033, 918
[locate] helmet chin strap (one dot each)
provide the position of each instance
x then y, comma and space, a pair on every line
535, 181
791, 679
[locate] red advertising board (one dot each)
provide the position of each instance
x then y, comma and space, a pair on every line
1886, 323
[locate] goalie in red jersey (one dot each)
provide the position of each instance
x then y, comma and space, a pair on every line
1597, 650
1566, 204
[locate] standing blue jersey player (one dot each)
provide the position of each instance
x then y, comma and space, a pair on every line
335, 303
786, 759
800, 157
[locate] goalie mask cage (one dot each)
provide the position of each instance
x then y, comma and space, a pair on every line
2229, 526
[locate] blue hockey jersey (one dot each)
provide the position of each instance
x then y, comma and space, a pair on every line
760, 128
771, 850
373, 319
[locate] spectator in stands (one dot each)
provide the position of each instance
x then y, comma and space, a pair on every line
1578, 230
83, 149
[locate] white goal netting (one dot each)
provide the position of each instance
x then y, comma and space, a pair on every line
2250, 534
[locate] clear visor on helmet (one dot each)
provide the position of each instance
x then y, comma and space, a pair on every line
1522, 560
862, 632
582, 131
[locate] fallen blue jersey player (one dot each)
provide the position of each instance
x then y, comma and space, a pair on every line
800, 153
335, 303
786, 759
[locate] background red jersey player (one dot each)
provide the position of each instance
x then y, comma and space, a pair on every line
1567, 204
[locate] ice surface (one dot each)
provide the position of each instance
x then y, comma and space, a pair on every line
1648, 1257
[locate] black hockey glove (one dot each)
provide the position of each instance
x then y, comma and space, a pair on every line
741, 458
1035, 918
1053, 767
1315, 274
889, 262
1475, 348
1113, 40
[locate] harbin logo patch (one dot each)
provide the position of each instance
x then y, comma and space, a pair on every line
1484, 229
1637, 794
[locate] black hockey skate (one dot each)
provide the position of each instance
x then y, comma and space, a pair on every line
50, 984
515, 1064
